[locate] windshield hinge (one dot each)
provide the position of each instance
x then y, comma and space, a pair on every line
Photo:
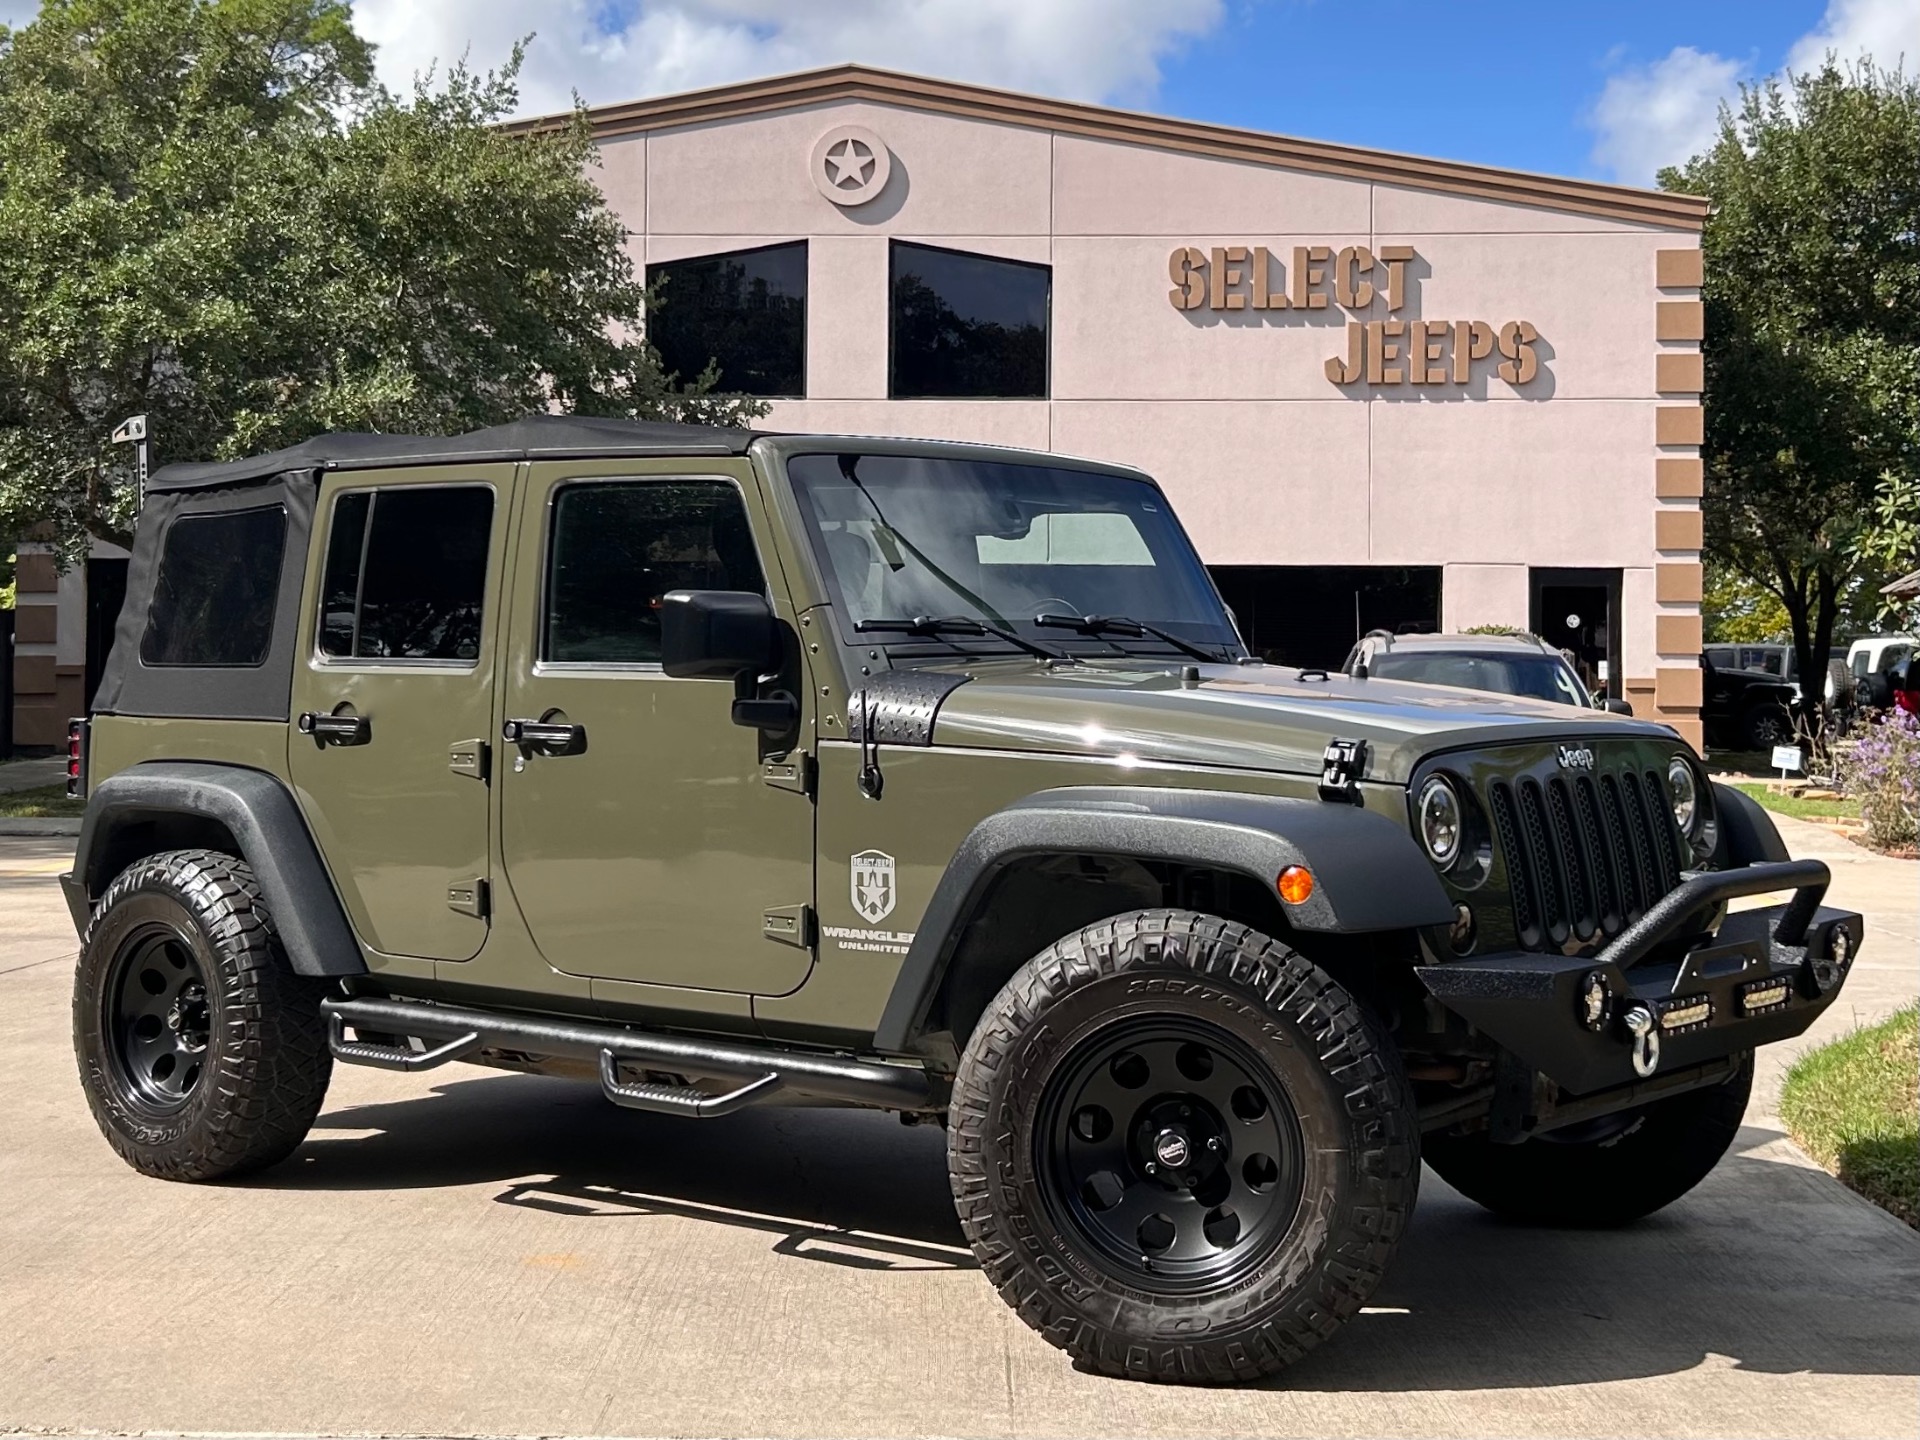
1341, 766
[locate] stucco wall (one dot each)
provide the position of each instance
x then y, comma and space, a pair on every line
1269, 460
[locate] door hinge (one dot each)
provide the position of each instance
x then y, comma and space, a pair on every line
790, 925
469, 758
468, 897
795, 773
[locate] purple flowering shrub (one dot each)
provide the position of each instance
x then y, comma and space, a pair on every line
1881, 770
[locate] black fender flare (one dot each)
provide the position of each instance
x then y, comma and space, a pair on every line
266, 825
1369, 874
1748, 835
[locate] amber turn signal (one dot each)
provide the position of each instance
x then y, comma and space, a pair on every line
1295, 884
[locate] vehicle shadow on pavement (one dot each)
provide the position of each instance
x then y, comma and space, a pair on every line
799, 1172
1769, 1266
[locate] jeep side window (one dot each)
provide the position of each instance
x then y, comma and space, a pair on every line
214, 598
617, 546
406, 573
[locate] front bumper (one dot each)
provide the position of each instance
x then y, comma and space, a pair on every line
1670, 992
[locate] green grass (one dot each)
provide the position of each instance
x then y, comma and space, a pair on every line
39, 804
1852, 1106
1798, 808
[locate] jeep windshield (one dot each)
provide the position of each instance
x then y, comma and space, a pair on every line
911, 543
1540, 677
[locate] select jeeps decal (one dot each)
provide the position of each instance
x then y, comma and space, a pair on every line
871, 888
872, 885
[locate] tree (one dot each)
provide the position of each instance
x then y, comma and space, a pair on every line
1813, 330
210, 212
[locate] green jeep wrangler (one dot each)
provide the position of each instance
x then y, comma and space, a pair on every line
726, 769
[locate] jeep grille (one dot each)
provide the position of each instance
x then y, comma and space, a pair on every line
1586, 854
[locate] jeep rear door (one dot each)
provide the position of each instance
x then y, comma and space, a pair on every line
646, 838
393, 698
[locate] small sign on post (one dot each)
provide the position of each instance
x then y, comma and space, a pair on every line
1785, 758
133, 431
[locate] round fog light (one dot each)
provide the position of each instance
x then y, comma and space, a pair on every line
1460, 933
1841, 945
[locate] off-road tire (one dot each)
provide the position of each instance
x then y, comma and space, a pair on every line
1328, 1059
1636, 1165
266, 1061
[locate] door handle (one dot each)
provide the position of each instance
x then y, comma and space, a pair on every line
336, 729
545, 737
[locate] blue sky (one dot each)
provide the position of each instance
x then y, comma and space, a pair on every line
1607, 89
1502, 82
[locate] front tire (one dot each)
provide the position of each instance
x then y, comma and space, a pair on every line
201, 1053
1606, 1172
1180, 1150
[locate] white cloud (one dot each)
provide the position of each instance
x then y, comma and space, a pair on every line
1659, 114
1887, 30
611, 50
1665, 112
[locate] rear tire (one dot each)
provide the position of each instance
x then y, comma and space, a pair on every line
201, 1053
1175, 1073
1608, 1172
1765, 726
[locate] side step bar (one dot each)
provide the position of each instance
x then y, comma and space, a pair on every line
761, 1072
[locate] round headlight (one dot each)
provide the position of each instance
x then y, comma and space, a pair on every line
1682, 792
1439, 812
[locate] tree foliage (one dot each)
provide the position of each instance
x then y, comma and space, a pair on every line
210, 212
1813, 331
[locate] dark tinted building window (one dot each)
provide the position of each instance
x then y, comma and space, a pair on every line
406, 574
967, 325
213, 600
618, 547
745, 311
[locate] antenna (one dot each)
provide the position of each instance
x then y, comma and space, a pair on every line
133, 431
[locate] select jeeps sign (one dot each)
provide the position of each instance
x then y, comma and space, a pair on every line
1378, 352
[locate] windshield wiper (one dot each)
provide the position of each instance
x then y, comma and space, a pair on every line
1124, 625
961, 625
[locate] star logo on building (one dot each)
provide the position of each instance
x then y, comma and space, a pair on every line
850, 165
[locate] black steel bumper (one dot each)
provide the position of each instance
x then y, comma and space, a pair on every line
1672, 990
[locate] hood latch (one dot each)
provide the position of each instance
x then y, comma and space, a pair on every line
1341, 766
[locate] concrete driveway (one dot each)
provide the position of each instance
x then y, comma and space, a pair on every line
470, 1253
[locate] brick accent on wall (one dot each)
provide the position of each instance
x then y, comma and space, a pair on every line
1678, 584
1677, 635
1679, 320
35, 574
1679, 372
36, 624
1679, 269
1679, 425
1678, 529
1679, 477
1678, 688
34, 675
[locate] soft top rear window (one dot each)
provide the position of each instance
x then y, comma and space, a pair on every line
214, 598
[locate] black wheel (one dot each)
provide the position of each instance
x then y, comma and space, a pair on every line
1608, 1171
1766, 726
201, 1053
1180, 1150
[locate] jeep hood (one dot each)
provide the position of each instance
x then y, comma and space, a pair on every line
1246, 717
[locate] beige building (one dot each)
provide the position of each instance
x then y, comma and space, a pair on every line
1382, 391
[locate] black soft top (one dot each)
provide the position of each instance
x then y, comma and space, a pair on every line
544, 437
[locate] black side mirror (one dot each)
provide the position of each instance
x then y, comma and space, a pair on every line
1616, 707
716, 634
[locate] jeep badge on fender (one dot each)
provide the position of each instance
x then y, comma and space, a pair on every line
722, 769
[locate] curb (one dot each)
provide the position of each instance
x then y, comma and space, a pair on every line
50, 825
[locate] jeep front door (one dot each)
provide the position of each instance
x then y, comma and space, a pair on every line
394, 699
645, 836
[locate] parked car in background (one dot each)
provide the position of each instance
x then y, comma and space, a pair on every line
1516, 664
1746, 709
1867, 681
1780, 661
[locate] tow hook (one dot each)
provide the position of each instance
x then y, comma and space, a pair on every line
1645, 1038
